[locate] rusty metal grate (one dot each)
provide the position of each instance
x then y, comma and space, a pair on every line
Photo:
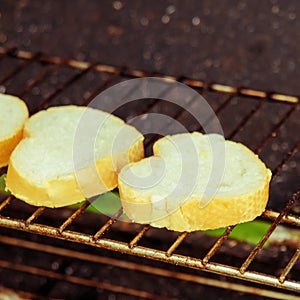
18, 79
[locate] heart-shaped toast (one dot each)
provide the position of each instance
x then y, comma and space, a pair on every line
195, 182
70, 153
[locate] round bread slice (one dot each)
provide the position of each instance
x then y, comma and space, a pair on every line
170, 189
13, 114
70, 153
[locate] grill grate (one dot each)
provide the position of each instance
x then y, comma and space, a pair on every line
110, 75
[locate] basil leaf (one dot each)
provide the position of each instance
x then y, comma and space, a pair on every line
3, 185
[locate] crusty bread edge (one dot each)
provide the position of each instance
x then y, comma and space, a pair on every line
8, 145
65, 190
219, 212
9, 142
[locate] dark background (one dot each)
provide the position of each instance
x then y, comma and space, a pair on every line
253, 43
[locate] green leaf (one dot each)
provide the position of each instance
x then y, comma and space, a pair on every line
107, 204
3, 185
249, 232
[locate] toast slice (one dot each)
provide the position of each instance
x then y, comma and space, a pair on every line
170, 188
13, 114
70, 153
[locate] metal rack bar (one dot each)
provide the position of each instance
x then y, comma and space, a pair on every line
73, 79
107, 225
289, 219
222, 106
75, 215
223, 88
38, 80
144, 268
35, 215
286, 158
284, 98
216, 87
289, 266
100, 89
245, 120
176, 244
260, 244
19, 68
138, 237
6, 202
217, 245
219, 109
275, 128
152, 106
253, 93
6, 51
194, 83
149, 253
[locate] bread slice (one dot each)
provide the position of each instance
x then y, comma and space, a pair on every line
70, 153
13, 114
170, 189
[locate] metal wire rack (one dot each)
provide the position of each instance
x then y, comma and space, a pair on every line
25, 64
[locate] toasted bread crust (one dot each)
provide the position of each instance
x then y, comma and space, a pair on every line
70, 187
218, 213
221, 210
65, 190
8, 145
11, 140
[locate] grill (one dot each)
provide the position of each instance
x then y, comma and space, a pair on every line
62, 246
